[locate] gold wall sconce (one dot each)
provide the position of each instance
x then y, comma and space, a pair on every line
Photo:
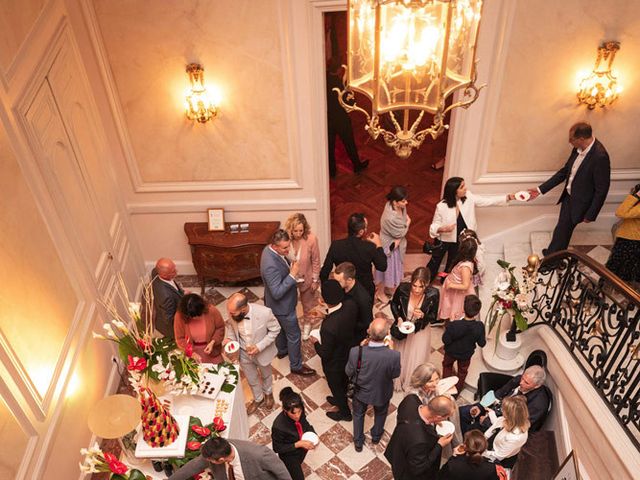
200, 104
410, 56
600, 88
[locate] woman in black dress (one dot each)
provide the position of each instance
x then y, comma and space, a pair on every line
468, 462
287, 431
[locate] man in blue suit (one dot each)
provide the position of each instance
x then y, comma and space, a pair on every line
281, 296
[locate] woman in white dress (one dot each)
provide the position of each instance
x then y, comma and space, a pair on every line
414, 302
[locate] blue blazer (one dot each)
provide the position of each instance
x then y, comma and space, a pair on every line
280, 289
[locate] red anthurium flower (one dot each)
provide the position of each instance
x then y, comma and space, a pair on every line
218, 424
188, 350
137, 365
115, 465
110, 457
193, 445
142, 344
202, 431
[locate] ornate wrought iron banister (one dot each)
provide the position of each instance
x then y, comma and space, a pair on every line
597, 316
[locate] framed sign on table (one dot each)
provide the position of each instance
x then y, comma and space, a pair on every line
569, 469
216, 219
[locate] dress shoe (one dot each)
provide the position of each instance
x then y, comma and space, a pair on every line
269, 401
358, 448
253, 406
361, 166
304, 371
375, 441
340, 417
331, 400
281, 355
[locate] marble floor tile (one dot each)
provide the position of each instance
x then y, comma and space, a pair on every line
334, 469
260, 434
321, 423
336, 438
376, 469
318, 391
318, 456
356, 460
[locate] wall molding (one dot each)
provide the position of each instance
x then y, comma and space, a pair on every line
290, 204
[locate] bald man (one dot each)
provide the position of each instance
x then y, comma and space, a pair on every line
378, 367
166, 295
415, 449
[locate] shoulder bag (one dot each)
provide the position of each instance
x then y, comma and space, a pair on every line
352, 384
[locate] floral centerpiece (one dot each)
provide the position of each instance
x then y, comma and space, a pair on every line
96, 461
230, 372
144, 356
197, 436
510, 296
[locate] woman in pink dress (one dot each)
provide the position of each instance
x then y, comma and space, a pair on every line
459, 282
199, 327
304, 249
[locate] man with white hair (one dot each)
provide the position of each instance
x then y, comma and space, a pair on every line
528, 384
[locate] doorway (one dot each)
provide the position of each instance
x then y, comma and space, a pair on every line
365, 191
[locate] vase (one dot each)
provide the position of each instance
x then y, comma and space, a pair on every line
159, 428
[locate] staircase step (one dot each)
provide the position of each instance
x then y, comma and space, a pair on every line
538, 459
539, 240
592, 237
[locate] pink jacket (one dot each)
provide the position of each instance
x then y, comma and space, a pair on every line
308, 254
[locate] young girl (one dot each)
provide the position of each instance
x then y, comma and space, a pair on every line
304, 250
459, 282
287, 430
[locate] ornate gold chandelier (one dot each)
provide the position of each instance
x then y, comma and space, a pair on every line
411, 55
600, 88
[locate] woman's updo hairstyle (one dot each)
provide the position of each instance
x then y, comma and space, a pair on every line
475, 443
290, 400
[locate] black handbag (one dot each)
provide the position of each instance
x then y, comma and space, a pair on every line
352, 383
431, 248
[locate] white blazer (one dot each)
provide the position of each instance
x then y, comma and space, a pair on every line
445, 215
506, 444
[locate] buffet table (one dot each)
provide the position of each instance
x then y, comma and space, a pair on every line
227, 405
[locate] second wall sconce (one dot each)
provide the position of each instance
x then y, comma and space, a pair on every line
201, 104
600, 88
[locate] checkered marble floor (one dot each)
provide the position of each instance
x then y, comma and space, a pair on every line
335, 456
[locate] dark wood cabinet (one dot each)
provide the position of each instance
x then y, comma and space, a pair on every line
226, 256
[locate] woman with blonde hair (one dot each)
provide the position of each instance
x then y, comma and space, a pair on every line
304, 249
509, 432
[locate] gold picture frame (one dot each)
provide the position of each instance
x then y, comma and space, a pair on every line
216, 219
569, 469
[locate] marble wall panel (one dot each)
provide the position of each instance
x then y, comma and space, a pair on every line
549, 43
11, 433
238, 42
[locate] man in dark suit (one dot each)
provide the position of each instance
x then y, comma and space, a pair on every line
336, 334
359, 249
345, 274
415, 449
338, 121
379, 365
586, 177
166, 295
279, 276
230, 459
530, 384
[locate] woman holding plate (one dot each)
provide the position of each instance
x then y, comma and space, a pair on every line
414, 305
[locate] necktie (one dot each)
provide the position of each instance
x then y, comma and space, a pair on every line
230, 474
299, 428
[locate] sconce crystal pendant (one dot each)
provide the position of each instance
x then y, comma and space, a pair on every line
601, 88
411, 55
199, 104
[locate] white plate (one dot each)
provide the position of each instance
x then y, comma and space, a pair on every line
522, 196
311, 437
407, 327
231, 347
447, 385
445, 428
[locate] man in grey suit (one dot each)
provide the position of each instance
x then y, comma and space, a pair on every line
166, 295
379, 365
281, 296
235, 459
255, 328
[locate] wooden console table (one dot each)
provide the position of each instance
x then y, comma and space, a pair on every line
226, 256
